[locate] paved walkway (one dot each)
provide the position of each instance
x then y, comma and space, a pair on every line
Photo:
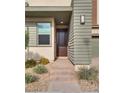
62, 77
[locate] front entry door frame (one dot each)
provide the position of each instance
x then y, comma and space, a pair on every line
62, 42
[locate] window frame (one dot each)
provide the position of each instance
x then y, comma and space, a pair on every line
37, 33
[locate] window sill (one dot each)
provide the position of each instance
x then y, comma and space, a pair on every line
44, 45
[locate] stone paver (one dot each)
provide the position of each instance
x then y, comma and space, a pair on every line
62, 77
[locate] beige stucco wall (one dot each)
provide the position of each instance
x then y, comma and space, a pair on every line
49, 2
45, 51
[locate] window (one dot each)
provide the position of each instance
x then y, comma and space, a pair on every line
44, 32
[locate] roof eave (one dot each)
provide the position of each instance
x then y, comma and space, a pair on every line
48, 8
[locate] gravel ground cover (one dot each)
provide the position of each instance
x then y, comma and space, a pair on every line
41, 84
89, 86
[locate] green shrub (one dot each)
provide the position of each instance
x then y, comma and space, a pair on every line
26, 39
30, 63
44, 61
39, 69
88, 74
29, 78
93, 74
82, 73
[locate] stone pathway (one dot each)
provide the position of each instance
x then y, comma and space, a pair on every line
62, 77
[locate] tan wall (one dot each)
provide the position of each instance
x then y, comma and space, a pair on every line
95, 13
45, 51
49, 2
98, 12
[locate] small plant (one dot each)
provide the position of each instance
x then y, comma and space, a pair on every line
93, 74
39, 69
29, 78
26, 39
30, 63
44, 61
88, 74
83, 73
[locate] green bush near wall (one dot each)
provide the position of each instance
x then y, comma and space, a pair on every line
44, 61
26, 39
29, 78
88, 74
40, 69
30, 63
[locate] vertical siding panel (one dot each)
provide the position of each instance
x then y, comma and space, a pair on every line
82, 32
71, 41
32, 36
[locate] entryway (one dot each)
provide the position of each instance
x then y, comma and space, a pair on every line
62, 42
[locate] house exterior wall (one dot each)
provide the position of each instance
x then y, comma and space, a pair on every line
94, 13
95, 31
71, 40
81, 45
98, 12
95, 47
45, 51
95, 18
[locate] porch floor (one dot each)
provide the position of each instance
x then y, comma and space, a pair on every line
63, 78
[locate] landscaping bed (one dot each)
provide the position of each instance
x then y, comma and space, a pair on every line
41, 84
89, 85
88, 79
36, 76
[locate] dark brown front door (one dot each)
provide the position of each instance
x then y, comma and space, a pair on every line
62, 42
